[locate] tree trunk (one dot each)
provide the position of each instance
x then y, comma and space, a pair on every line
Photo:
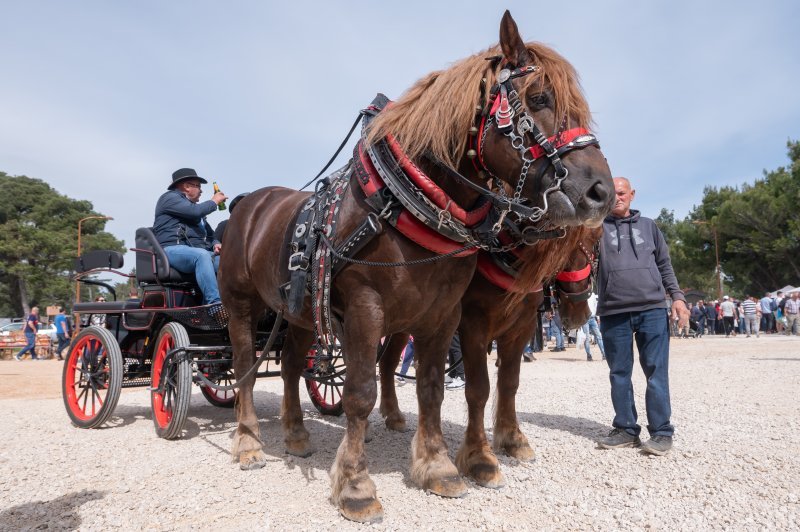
23, 296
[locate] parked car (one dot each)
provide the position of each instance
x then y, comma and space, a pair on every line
17, 326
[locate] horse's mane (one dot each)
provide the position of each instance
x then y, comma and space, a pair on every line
434, 115
544, 260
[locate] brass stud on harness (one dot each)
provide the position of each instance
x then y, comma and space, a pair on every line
471, 154
473, 131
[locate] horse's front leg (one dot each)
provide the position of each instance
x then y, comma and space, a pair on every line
352, 490
247, 445
475, 457
390, 410
293, 359
431, 468
508, 437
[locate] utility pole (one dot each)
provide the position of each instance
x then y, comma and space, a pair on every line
716, 254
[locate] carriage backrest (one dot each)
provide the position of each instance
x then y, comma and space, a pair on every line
152, 264
99, 259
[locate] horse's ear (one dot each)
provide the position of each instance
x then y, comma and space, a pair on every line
511, 43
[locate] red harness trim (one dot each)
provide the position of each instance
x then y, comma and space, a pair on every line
433, 191
495, 275
576, 275
559, 140
407, 224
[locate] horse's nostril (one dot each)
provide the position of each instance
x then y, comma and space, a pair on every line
597, 194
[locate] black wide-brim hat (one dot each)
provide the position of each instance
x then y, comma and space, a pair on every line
182, 175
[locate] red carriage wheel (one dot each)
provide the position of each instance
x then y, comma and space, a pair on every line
171, 382
220, 398
92, 377
325, 380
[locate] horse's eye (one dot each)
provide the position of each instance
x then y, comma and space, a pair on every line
538, 101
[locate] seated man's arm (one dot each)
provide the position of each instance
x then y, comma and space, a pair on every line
178, 206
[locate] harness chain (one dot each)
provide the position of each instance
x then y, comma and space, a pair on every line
328, 211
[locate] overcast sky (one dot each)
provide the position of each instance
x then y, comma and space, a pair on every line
104, 100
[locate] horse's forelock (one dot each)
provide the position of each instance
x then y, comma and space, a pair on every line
434, 115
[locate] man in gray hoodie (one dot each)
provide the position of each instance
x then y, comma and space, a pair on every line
634, 278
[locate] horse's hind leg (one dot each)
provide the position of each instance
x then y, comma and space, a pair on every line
247, 445
293, 357
475, 457
508, 437
389, 408
352, 490
431, 468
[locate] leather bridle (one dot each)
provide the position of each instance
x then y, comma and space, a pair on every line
587, 274
506, 111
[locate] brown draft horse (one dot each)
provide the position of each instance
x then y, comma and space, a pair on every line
431, 121
488, 314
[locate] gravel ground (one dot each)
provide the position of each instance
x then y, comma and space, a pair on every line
734, 465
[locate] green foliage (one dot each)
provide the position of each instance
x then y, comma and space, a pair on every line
38, 243
758, 232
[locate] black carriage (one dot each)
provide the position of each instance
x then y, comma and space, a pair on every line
166, 339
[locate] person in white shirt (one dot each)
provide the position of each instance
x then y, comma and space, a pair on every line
592, 328
728, 310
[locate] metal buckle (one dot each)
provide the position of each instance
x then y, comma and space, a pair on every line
298, 261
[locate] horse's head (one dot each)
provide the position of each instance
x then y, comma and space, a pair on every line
532, 135
573, 284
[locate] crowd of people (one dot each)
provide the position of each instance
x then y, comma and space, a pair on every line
750, 316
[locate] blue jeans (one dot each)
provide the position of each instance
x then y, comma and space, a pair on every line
556, 331
30, 346
63, 342
408, 356
203, 263
650, 328
591, 328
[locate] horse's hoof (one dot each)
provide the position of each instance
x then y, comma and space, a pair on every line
488, 476
523, 453
361, 510
452, 486
249, 460
396, 423
299, 449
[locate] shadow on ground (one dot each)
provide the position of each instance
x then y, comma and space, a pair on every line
585, 428
57, 514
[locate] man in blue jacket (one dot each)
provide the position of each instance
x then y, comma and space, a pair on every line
635, 270
182, 230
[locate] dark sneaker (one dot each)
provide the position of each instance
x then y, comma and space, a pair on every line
658, 445
617, 439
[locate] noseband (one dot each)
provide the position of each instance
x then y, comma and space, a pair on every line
586, 273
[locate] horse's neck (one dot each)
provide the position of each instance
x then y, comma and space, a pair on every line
462, 195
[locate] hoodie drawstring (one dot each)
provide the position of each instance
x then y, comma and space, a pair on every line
630, 236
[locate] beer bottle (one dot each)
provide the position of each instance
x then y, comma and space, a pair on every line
221, 205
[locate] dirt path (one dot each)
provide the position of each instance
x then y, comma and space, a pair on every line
734, 466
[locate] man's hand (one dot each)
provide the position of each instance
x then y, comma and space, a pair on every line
680, 312
218, 197
217, 248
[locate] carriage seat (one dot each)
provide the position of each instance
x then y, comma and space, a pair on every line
152, 264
